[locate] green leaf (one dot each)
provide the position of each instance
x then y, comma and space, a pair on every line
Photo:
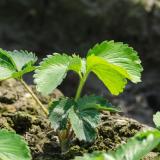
51, 72
135, 149
15, 64
107, 73
82, 125
27, 69
6, 65
22, 59
58, 113
83, 69
138, 146
95, 156
120, 55
53, 69
85, 116
13, 147
95, 102
156, 119
75, 64
5, 56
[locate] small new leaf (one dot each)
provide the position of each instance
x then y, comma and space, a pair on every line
13, 147
156, 119
53, 70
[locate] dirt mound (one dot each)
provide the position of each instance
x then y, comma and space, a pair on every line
19, 112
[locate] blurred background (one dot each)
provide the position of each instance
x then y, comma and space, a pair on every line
73, 26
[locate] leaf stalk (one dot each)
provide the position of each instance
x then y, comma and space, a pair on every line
34, 96
81, 84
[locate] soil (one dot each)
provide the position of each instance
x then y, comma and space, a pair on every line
74, 26
19, 112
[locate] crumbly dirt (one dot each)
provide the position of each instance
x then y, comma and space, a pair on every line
19, 112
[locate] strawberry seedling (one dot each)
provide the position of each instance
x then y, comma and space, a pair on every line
112, 62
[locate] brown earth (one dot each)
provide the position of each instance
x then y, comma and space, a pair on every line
19, 112
47, 26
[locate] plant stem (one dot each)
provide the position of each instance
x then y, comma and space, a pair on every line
80, 87
34, 96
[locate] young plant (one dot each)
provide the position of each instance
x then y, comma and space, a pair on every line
112, 62
135, 148
15, 64
13, 146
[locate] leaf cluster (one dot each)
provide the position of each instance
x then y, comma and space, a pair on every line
83, 115
112, 62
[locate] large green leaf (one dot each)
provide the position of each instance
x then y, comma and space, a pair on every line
107, 73
53, 69
83, 124
156, 119
135, 149
121, 55
13, 147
